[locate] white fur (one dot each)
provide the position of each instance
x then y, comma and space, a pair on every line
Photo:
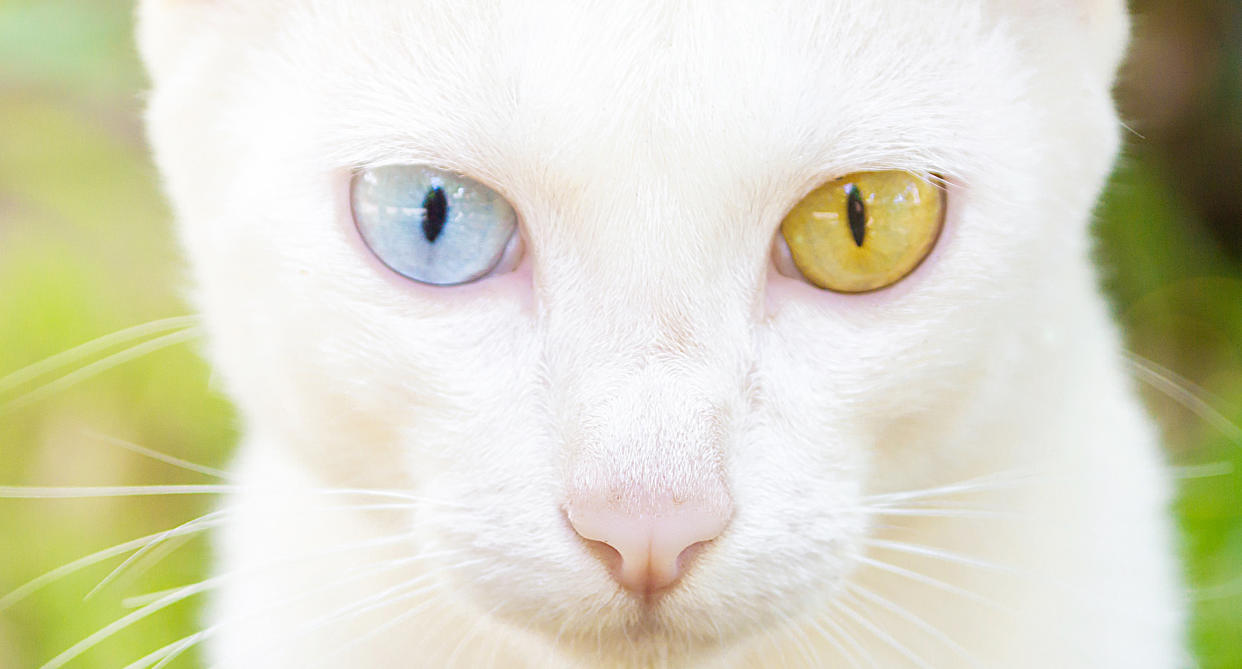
651, 149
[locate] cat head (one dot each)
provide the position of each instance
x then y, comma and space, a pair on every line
642, 352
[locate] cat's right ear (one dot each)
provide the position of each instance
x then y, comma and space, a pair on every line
172, 31
164, 28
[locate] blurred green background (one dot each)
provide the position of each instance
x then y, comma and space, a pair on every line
86, 250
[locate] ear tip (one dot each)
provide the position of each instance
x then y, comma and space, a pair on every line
1110, 20
1100, 29
150, 32
163, 26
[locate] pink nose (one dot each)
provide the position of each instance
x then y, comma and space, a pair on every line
654, 548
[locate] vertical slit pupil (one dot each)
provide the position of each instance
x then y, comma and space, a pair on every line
857, 213
435, 209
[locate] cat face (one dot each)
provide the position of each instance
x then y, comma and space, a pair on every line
644, 346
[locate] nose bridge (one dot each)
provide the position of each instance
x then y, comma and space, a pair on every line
646, 343
648, 439
626, 317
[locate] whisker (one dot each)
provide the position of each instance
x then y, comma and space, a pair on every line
191, 590
98, 367
937, 512
97, 345
1181, 390
474, 629
1222, 591
88, 492
848, 638
138, 601
144, 550
931, 582
164, 662
881, 635
125, 621
384, 627
1202, 471
803, 645
206, 521
161, 541
835, 643
172, 650
937, 553
162, 457
990, 482
149, 560
199, 524
164, 655
911, 618
388, 596
940, 503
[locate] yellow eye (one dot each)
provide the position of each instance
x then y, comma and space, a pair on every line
864, 231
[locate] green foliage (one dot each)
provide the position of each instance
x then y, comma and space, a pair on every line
1180, 300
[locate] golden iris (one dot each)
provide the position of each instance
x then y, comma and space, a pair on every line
866, 230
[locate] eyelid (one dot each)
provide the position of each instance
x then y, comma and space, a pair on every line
782, 257
514, 253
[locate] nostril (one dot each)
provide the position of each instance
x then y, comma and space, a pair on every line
647, 551
692, 551
609, 556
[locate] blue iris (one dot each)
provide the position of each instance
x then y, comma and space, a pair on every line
430, 225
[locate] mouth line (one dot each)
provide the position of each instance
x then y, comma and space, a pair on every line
653, 621
650, 600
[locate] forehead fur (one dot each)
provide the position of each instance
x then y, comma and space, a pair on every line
531, 68
663, 87
717, 113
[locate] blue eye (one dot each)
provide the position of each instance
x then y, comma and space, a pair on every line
430, 225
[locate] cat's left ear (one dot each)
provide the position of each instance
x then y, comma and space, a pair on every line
1094, 31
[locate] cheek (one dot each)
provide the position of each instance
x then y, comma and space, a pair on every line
361, 378
875, 400
904, 349
322, 300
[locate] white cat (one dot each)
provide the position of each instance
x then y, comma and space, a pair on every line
665, 333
